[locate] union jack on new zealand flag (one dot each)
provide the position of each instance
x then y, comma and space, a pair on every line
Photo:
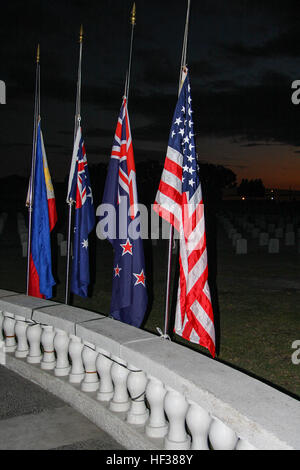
129, 293
80, 192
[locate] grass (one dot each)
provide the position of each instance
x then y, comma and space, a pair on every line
258, 297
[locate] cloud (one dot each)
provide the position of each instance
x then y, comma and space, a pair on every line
258, 113
286, 44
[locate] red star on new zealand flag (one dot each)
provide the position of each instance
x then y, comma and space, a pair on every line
127, 247
117, 271
140, 278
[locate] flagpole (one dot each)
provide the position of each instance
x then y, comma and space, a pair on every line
70, 203
33, 160
132, 20
171, 234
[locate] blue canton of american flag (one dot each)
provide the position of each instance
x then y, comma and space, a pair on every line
129, 294
80, 192
179, 201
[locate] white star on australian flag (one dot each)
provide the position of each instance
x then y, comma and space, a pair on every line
85, 244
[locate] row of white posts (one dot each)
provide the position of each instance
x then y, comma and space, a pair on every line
124, 387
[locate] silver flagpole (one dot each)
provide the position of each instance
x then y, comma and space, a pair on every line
29, 201
171, 235
70, 203
132, 20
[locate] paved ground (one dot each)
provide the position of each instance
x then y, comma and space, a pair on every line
34, 419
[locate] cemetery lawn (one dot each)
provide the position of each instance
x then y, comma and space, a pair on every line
258, 297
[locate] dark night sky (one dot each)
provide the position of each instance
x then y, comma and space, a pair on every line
243, 57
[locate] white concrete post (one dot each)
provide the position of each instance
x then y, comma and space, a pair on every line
103, 366
75, 353
157, 425
176, 408
90, 382
136, 384
221, 436
61, 346
198, 421
9, 323
20, 330
47, 340
34, 332
119, 374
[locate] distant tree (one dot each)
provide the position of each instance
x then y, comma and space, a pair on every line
251, 188
214, 179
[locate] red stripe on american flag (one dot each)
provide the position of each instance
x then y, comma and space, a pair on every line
186, 301
166, 215
197, 252
173, 168
170, 192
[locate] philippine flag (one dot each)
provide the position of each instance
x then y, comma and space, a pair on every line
44, 217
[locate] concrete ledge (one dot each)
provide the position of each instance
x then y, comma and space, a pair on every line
258, 413
64, 317
23, 305
6, 293
113, 423
110, 334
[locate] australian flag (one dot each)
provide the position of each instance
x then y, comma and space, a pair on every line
129, 293
80, 192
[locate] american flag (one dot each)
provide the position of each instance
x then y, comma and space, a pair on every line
179, 201
129, 292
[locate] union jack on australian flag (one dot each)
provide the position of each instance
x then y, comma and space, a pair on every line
129, 293
80, 192
179, 201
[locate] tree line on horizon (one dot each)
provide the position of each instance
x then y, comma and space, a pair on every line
214, 179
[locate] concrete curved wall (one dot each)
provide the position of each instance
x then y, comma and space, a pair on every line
258, 413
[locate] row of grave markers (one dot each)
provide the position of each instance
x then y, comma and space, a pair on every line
268, 235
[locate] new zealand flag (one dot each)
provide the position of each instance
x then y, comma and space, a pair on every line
129, 293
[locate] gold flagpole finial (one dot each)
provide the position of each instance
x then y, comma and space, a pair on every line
81, 33
133, 15
38, 54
